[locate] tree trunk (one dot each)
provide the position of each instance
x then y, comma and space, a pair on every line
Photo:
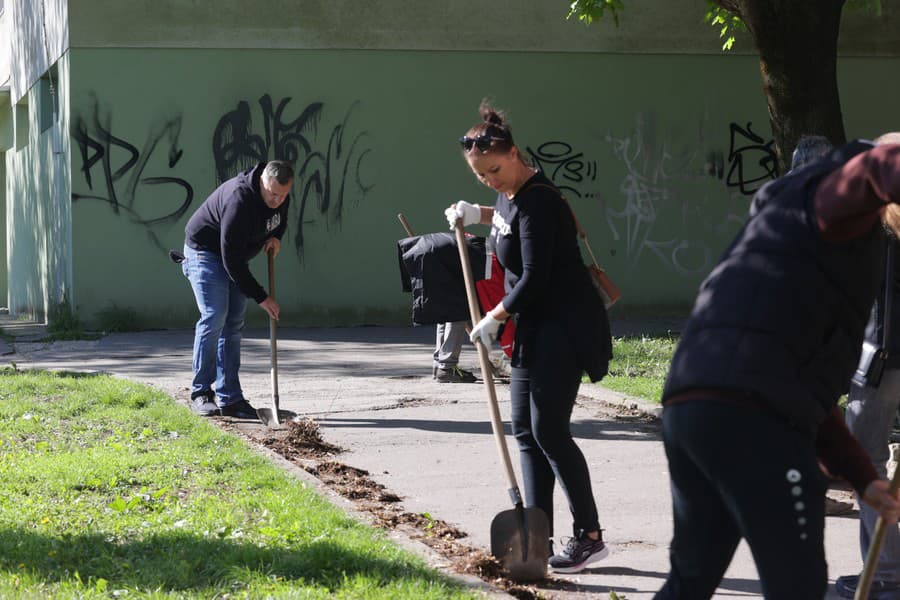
797, 44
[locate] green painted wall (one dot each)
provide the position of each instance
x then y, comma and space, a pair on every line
654, 152
6, 142
631, 143
38, 206
4, 289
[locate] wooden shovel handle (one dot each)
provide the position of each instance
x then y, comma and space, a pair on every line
405, 224
272, 337
865, 578
486, 373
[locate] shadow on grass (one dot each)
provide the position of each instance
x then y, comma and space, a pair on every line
13, 371
173, 561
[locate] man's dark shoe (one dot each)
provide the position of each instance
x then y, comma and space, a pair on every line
880, 590
204, 404
454, 375
239, 410
580, 551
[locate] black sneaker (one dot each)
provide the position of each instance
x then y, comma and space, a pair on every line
204, 404
454, 375
880, 590
239, 410
580, 551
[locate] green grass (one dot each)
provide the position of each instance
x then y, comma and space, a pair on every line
111, 490
640, 365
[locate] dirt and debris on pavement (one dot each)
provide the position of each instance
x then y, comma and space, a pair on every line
300, 441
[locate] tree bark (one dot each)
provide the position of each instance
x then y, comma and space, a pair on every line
797, 44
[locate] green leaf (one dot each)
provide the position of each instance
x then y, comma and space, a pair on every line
726, 21
118, 504
588, 11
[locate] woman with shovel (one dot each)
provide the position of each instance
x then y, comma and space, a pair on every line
562, 329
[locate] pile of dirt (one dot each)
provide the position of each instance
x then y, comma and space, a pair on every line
350, 482
302, 440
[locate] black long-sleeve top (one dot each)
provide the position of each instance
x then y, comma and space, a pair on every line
235, 223
535, 240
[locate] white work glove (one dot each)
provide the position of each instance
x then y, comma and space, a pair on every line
468, 214
485, 330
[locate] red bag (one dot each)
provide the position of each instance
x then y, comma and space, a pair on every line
490, 293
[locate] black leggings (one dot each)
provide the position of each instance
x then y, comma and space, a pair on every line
542, 397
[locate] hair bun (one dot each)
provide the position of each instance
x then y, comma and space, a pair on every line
489, 114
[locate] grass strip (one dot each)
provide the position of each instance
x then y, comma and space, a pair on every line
112, 490
640, 364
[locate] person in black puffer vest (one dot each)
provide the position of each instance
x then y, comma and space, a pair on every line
750, 401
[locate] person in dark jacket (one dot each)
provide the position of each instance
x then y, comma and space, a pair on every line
561, 332
750, 401
243, 216
871, 412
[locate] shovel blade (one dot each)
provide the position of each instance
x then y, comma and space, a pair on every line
268, 416
520, 541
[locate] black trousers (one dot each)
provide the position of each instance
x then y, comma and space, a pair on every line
743, 472
542, 398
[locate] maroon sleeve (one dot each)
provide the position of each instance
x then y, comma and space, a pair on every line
842, 454
848, 201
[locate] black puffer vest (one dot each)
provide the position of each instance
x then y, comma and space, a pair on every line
782, 316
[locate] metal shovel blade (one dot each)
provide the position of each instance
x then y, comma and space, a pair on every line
268, 417
520, 541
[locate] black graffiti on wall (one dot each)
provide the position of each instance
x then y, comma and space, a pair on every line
751, 158
116, 171
567, 169
323, 168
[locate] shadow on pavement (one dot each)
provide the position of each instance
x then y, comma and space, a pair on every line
588, 430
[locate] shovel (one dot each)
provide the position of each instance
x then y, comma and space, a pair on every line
520, 537
269, 416
865, 579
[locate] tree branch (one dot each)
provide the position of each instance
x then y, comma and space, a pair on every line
733, 6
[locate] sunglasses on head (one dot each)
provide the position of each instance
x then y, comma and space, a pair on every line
482, 142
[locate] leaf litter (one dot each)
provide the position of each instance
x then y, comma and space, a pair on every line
302, 443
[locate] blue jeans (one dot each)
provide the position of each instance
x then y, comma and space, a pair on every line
743, 472
870, 417
217, 337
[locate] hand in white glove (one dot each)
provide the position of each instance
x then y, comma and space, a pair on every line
468, 214
485, 330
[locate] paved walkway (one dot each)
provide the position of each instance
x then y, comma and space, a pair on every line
370, 388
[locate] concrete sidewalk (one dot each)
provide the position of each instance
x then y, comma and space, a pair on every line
370, 388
